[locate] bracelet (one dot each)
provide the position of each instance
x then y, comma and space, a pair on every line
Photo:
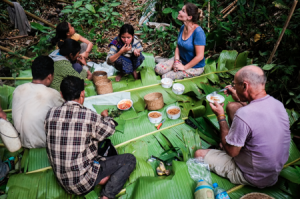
221, 116
222, 120
177, 61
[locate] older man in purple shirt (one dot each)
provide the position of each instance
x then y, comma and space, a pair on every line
256, 146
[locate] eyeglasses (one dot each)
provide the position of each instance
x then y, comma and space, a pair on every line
233, 84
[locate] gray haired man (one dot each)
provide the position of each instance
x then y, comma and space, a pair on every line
256, 146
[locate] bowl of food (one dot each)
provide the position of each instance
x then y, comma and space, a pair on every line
173, 112
178, 88
166, 82
155, 117
125, 104
215, 98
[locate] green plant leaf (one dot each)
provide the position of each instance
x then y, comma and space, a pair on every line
167, 10
291, 174
268, 66
241, 60
90, 7
66, 11
77, 4
115, 4
174, 14
227, 60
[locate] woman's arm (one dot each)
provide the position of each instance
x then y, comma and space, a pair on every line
89, 46
114, 57
177, 55
199, 56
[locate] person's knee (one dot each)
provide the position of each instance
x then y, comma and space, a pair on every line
131, 159
201, 153
232, 107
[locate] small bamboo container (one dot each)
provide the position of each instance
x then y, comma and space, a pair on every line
104, 87
154, 101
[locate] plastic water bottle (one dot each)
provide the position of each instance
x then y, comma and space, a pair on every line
203, 191
219, 192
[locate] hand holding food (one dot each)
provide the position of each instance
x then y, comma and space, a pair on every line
231, 91
125, 48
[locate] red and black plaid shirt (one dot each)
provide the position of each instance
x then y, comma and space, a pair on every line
73, 133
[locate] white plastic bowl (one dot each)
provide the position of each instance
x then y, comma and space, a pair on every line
166, 82
178, 88
219, 97
123, 101
155, 120
176, 116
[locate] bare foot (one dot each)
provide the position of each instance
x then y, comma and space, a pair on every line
135, 75
104, 197
118, 77
104, 180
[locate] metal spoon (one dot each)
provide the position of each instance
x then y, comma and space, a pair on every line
215, 92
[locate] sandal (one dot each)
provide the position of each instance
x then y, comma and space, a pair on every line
10, 163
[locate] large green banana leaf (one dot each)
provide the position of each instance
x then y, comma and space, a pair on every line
24, 73
6, 93
138, 136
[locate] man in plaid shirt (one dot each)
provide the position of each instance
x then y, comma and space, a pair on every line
73, 133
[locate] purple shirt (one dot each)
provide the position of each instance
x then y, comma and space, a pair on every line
262, 130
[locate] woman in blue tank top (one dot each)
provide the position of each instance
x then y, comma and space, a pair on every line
189, 58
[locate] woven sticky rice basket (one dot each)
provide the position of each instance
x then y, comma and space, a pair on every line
104, 87
256, 195
154, 101
99, 76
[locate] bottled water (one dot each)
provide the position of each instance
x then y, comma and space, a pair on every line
219, 192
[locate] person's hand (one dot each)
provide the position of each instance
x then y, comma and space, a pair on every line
104, 113
81, 60
231, 91
125, 48
136, 52
217, 108
2, 114
85, 54
180, 66
89, 75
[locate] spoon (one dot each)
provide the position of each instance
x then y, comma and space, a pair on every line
215, 92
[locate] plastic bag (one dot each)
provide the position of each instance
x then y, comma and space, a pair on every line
110, 70
199, 170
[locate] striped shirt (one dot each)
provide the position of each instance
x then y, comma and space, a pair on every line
113, 49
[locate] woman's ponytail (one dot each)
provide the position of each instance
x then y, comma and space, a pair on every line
61, 32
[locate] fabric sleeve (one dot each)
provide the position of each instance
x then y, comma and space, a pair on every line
238, 132
139, 46
113, 50
105, 127
75, 37
199, 37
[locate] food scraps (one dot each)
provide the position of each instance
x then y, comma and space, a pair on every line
214, 98
173, 111
154, 115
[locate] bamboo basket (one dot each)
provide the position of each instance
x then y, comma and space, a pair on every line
256, 195
99, 76
104, 86
154, 101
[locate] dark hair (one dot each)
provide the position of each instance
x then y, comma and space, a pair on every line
192, 10
69, 46
126, 28
61, 32
71, 87
41, 67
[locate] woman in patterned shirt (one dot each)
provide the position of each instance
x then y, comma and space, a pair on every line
125, 52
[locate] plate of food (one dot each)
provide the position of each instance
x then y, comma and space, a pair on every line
215, 98
155, 117
125, 104
173, 112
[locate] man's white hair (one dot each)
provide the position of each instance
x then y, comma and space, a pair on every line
252, 74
